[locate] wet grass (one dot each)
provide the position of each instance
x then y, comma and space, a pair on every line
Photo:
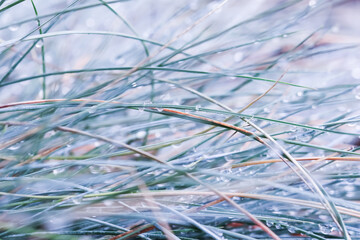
205, 120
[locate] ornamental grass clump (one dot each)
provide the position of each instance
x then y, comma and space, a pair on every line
179, 119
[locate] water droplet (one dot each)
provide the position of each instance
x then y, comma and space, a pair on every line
58, 171
228, 158
119, 60
176, 145
39, 44
197, 107
94, 169
212, 5
300, 93
14, 147
165, 97
350, 187
77, 200
350, 194
49, 134
356, 91
134, 84
109, 181
312, 3
285, 100
237, 198
352, 233
140, 134
14, 28
90, 22
294, 129
266, 110
194, 5
284, 35
269, 223
304, 135
176, 102
355, 73
291, 230
324, 229
91, 110
159, 109
109, 202
293, 213
325, 217
335, 29
238, 57
147, 103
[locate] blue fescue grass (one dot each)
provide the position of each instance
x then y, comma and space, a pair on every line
178, 120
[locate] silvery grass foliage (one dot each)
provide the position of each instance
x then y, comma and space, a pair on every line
179, 119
